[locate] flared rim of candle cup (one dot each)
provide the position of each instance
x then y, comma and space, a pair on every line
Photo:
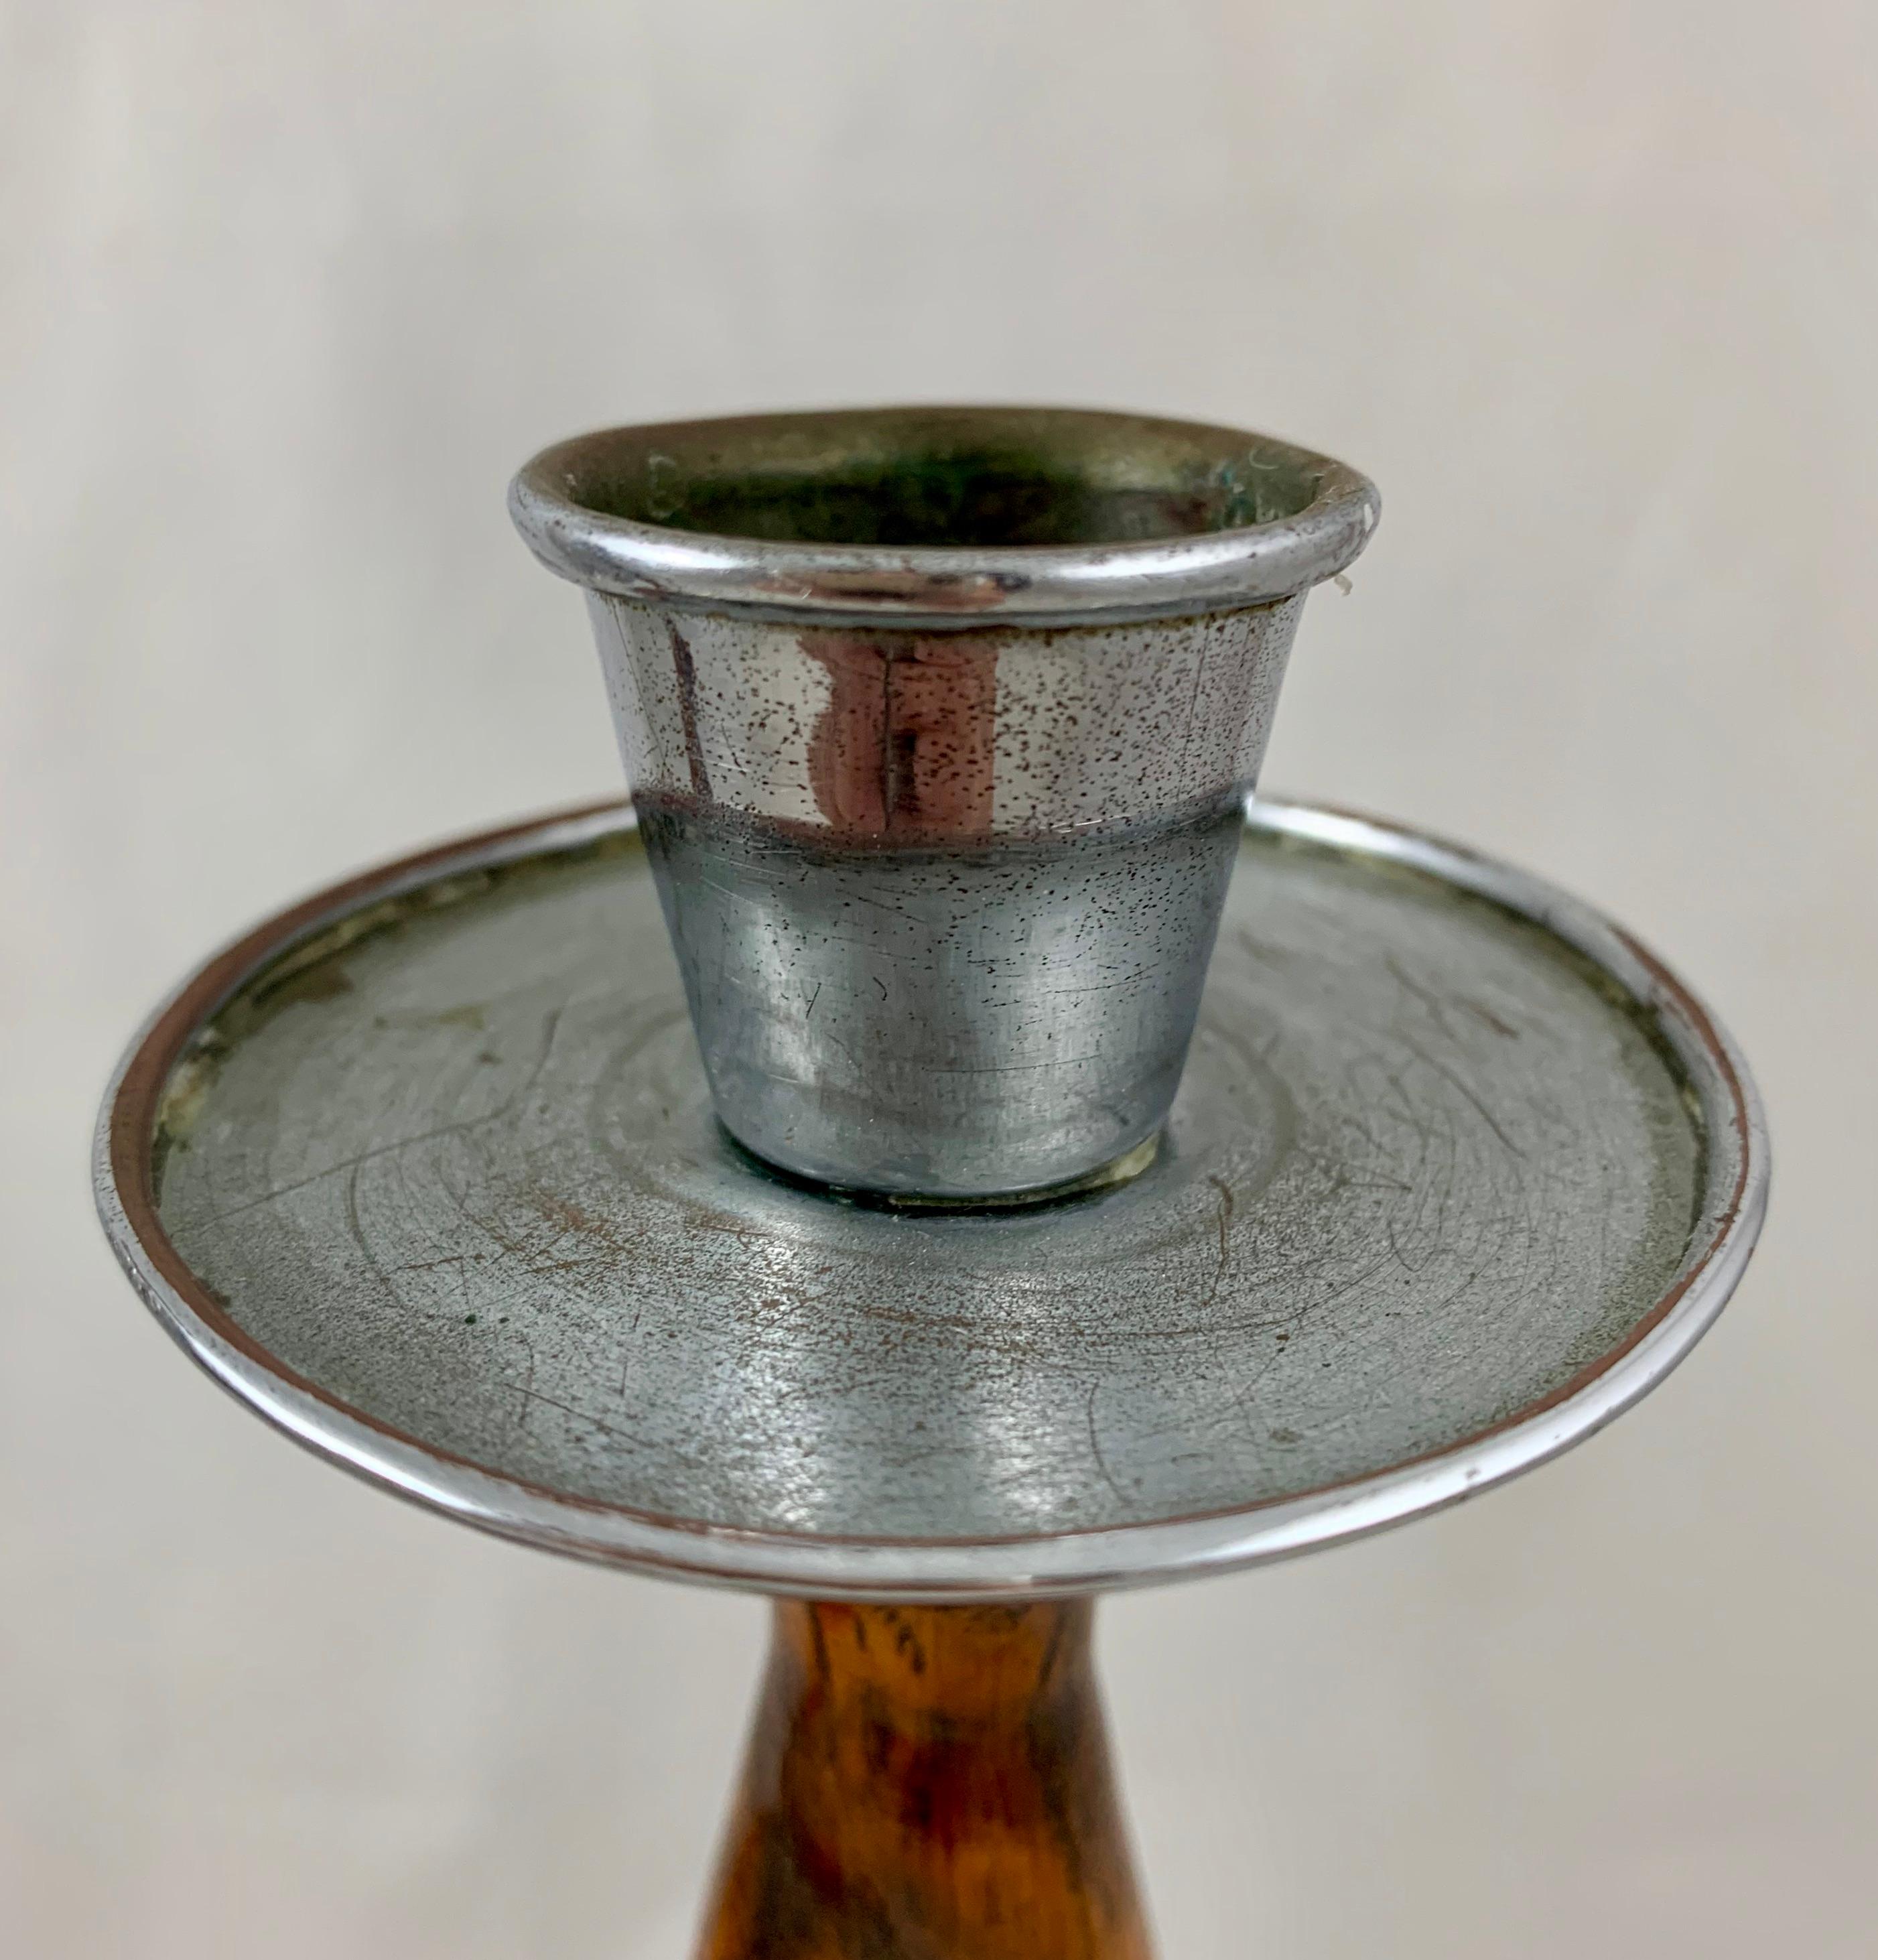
943, 517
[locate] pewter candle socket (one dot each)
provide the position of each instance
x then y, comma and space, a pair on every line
939, 723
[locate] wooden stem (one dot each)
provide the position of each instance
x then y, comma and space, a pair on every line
927, 1783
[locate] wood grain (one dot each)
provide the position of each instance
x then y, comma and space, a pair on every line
927, 1783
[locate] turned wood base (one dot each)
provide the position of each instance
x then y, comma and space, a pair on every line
927, 1783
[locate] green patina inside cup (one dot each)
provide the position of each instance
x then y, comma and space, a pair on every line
963, 478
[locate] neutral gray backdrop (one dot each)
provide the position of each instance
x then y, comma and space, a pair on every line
287, 289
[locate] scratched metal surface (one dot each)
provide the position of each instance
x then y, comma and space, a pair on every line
458, 1175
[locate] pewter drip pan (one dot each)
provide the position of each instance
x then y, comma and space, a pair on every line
425, 1171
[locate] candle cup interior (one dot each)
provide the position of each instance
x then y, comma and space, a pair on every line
945, 478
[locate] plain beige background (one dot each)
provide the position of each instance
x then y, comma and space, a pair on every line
287, 288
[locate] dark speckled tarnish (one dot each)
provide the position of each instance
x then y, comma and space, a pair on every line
904, 748
943, 902
943, 892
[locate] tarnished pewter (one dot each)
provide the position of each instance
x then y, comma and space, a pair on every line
939, 722
424, 1171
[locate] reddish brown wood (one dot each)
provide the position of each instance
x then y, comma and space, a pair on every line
927, 1783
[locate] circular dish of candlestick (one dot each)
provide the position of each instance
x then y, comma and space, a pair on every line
424, 1170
